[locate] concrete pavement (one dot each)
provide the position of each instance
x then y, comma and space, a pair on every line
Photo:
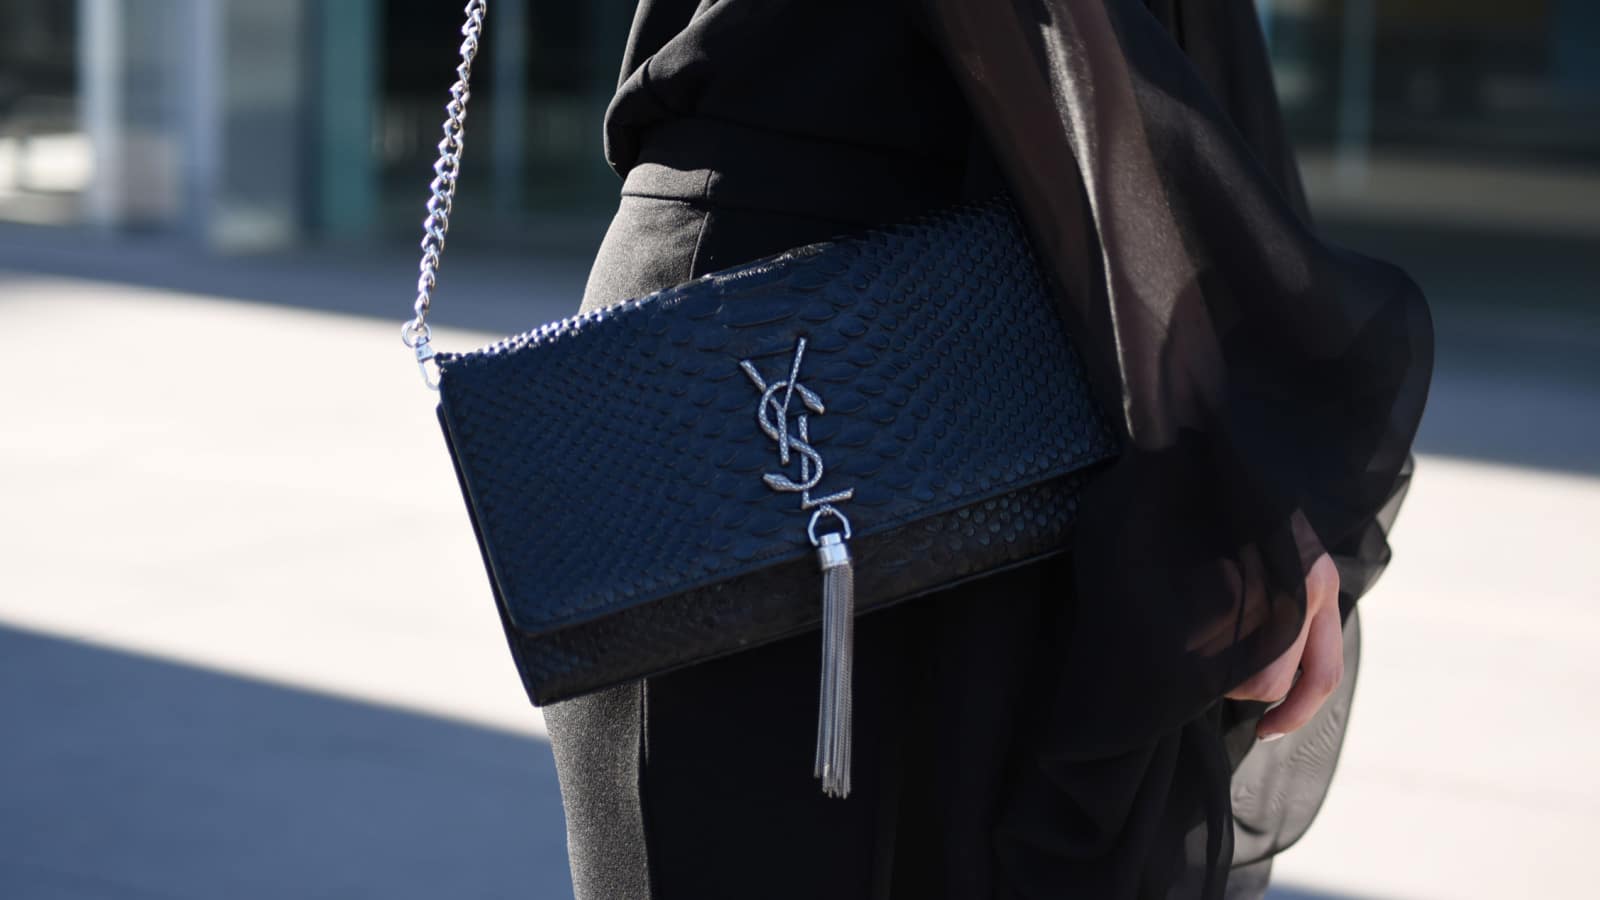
246, 646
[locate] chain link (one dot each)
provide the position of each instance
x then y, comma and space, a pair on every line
414, 333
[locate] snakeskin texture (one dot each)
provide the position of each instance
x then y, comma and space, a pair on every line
613, 462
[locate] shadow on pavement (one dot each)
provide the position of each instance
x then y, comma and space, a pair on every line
132, 777
126, 776
480, 288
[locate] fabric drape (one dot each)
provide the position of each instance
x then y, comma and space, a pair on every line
1267, 384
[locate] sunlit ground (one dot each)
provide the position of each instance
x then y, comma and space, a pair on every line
247, 647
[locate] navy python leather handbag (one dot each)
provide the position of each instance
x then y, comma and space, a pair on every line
659, 482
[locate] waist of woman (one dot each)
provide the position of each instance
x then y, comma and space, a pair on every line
729, 165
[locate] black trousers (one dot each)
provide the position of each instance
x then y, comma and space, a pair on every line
698, 783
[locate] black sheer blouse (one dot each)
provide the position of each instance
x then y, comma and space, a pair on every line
1266, 384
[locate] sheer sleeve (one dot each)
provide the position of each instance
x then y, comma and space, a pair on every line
1266, 384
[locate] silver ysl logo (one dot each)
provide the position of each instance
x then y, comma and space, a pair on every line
832, 762
773, 417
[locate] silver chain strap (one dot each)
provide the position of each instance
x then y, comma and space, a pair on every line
414, 333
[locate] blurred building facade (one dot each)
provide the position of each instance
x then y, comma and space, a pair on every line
247, 123
256, 124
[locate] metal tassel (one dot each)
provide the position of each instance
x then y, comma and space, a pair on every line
838, 638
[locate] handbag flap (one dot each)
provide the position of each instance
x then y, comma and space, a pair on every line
687, 438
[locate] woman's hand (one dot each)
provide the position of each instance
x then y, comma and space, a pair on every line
1317, 654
